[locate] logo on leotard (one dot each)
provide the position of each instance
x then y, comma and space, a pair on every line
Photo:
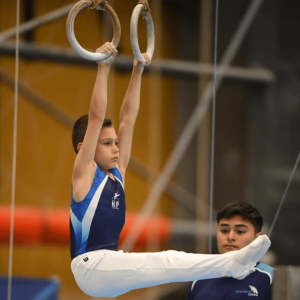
253, 291
115, 201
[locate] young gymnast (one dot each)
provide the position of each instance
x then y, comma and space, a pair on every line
98, 206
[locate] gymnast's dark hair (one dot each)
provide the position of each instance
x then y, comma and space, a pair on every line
79, 130
243, 209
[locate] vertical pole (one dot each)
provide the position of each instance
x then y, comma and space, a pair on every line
203, 137
154, 100
155, 125
14, 155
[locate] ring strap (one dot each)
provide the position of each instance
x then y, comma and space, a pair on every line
146, 6
98, 4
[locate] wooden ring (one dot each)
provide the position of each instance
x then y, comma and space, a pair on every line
95, 56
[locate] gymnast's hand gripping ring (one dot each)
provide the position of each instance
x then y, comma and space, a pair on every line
142, 8
99, 5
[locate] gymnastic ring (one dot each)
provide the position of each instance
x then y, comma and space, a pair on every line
95, 56
140, 8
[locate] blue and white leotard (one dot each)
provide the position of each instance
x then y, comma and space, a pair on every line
97, 221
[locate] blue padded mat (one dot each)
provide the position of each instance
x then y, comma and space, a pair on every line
24, 288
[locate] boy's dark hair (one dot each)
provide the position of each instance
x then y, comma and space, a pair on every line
79, 130
243, 209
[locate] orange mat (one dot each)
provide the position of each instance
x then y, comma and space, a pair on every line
51, 226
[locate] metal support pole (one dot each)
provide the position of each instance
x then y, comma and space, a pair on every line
286, 283
204, 131
34, 23
39, 101
123, 62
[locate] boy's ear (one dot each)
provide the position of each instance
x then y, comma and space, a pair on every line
79, 146
258, 233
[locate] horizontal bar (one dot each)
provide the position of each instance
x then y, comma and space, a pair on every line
124, 63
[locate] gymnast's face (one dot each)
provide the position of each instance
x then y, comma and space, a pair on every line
234, 234
107, 151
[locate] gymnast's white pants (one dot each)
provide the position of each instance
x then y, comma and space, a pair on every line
105, 273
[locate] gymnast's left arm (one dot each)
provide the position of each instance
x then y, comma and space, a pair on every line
128, 114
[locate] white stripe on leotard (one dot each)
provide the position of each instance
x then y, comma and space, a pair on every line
89, 215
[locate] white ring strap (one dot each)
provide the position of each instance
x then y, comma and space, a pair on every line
95, 56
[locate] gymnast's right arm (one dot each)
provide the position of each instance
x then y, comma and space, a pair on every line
85, 166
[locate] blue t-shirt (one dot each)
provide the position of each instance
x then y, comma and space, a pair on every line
97, 221
256, 286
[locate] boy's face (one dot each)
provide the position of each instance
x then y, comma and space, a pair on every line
107, 151
234, 234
